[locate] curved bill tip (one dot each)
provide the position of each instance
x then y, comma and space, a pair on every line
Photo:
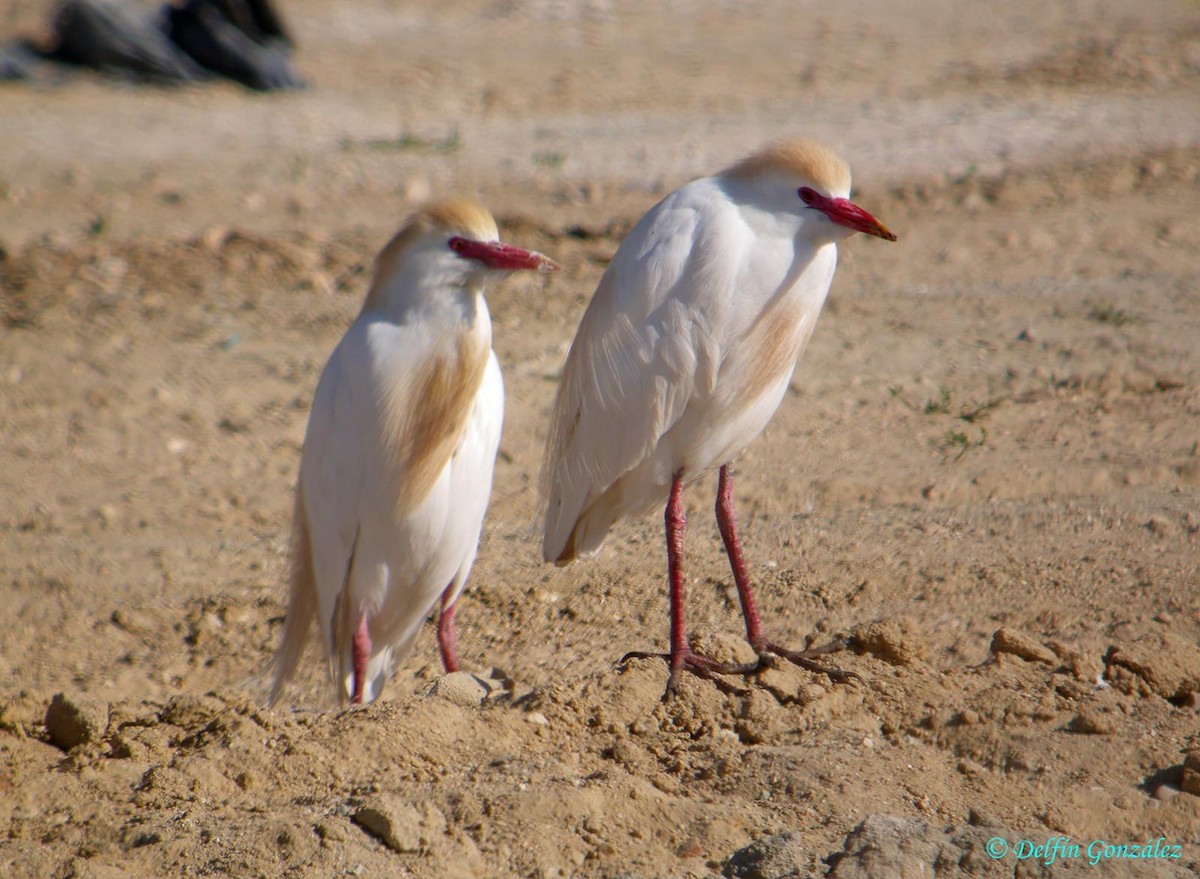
503, 257
884, 232
846, 213
544, 263
854, 217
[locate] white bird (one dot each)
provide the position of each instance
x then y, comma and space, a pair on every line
396, 470
685, 352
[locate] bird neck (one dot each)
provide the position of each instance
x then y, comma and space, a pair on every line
427, 294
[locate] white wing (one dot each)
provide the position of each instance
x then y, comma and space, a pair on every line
650, 341
331, 473
390, 409
341, 450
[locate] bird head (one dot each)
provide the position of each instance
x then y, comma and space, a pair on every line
451, 244
809, 180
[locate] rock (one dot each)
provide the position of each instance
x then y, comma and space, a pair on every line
1007, 640
75, 720
1158, 662
893, 641
773, 857
399, 824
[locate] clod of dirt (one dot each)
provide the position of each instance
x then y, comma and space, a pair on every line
191, 712
887, 845
1190, 783
893, 641
1007, 640
1157, 663
399, 824
1084, 667
724, 647
1092, 723
75, 720
773, 857
460, 688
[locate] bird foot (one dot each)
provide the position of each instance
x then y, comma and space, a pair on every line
806, 659
699, 665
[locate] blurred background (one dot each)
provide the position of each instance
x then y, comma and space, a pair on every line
986, 470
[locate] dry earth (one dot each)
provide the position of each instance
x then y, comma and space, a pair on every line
987, 472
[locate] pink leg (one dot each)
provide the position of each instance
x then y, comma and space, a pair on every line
682, 657
446, 634
362, 652
676, 525
727, 523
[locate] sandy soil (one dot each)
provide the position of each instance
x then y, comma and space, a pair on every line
987, 472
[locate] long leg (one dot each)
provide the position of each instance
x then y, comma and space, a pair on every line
447, 635
362, 653
727, 523
682, 657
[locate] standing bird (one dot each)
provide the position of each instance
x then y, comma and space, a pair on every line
685, 353
397, 463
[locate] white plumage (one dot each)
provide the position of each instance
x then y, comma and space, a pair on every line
687, 348
397, 464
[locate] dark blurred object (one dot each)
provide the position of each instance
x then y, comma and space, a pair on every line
17, 61
195, 40
242, 39
112, 36
270, 25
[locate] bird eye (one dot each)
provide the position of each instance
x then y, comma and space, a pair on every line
808, 196
458, 245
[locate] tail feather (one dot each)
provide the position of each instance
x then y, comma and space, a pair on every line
589, 530
302, 604
343, 626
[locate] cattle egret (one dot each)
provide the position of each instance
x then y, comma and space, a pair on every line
397, 464
684, 354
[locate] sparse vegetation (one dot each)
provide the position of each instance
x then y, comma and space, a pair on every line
549, 159
1107, 313
959, 442
954, 441
406, 142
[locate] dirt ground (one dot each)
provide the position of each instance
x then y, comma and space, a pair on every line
986, 474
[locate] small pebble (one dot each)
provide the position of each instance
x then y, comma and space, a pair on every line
1007, 640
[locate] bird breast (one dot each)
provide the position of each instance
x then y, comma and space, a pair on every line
755, 369
425, 412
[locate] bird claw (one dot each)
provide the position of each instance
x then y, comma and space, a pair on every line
699, 665
710, 669
806, 659
643, 654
